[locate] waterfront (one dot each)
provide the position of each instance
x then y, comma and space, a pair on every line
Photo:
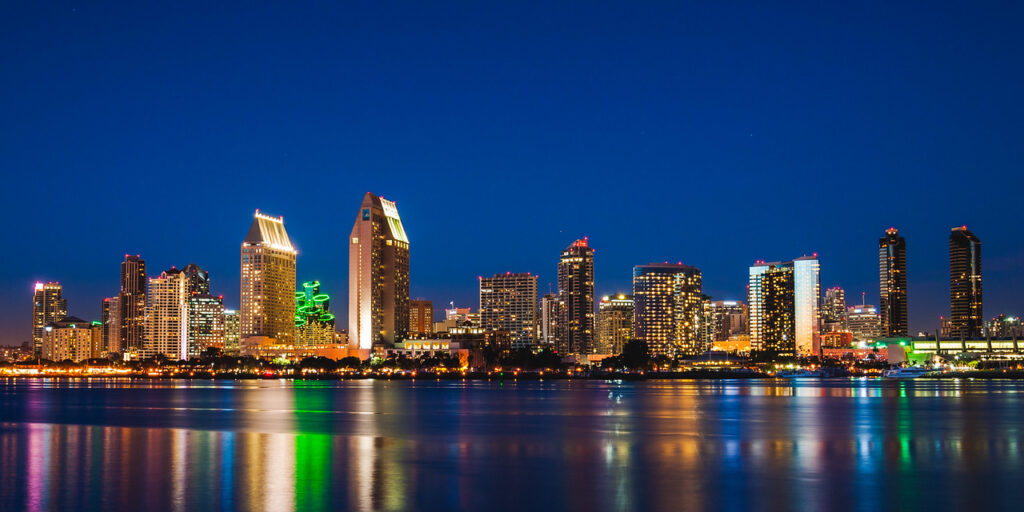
844, 444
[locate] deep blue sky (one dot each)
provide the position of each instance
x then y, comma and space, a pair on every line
714, 135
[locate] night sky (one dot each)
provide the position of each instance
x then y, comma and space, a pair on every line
711, 135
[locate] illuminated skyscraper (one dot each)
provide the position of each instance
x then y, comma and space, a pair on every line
965, 284
268, 281
669, 308
109, 314
167, 316
833, 310
378, 276
314, 322
864, 322
783, 303
197, 280
232, 331
421, 317
48, 305
892, 280
614, 323
205, 321
547, 320
132, 301
576, 293
508, 302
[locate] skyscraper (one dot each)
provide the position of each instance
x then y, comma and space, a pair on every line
112, 324
48, 306
864, 322
892, 283
166, 316
576, 293
197, 280
965, 284
378, 276
668, 308
232, 331
783, 303
268, 281
614, 323
508, 302
132, 300
205, 318
421, 317
833, 310
547, 320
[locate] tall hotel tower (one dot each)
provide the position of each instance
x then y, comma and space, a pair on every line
576, 295
964, 284
783, 304
132, 301
668, 308
268, 281
892, 283
48, 305
378, 276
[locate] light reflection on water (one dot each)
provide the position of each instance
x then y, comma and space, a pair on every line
583, 445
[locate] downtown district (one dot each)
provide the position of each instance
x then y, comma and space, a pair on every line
172, 319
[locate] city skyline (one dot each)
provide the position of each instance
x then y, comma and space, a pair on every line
616, 110
276, 220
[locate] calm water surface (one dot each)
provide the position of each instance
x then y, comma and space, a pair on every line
555, 445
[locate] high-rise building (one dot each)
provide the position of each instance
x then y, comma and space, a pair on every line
268, 281
71, 338
892, 283
547, 320
167, 316
864, 322
614, 323
833, 310
197, 280
314, 322
378, 276
576, 293
205, 321
965, 284
232, 331
783, 303
668, 308
48, 305
508, 302
728, 318
421, 317
132, 300
112, 325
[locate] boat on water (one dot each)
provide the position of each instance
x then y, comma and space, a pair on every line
909, 372
798, 374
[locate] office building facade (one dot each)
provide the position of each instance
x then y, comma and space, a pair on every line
783, 302
132, 301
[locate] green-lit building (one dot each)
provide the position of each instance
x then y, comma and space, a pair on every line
314, 323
